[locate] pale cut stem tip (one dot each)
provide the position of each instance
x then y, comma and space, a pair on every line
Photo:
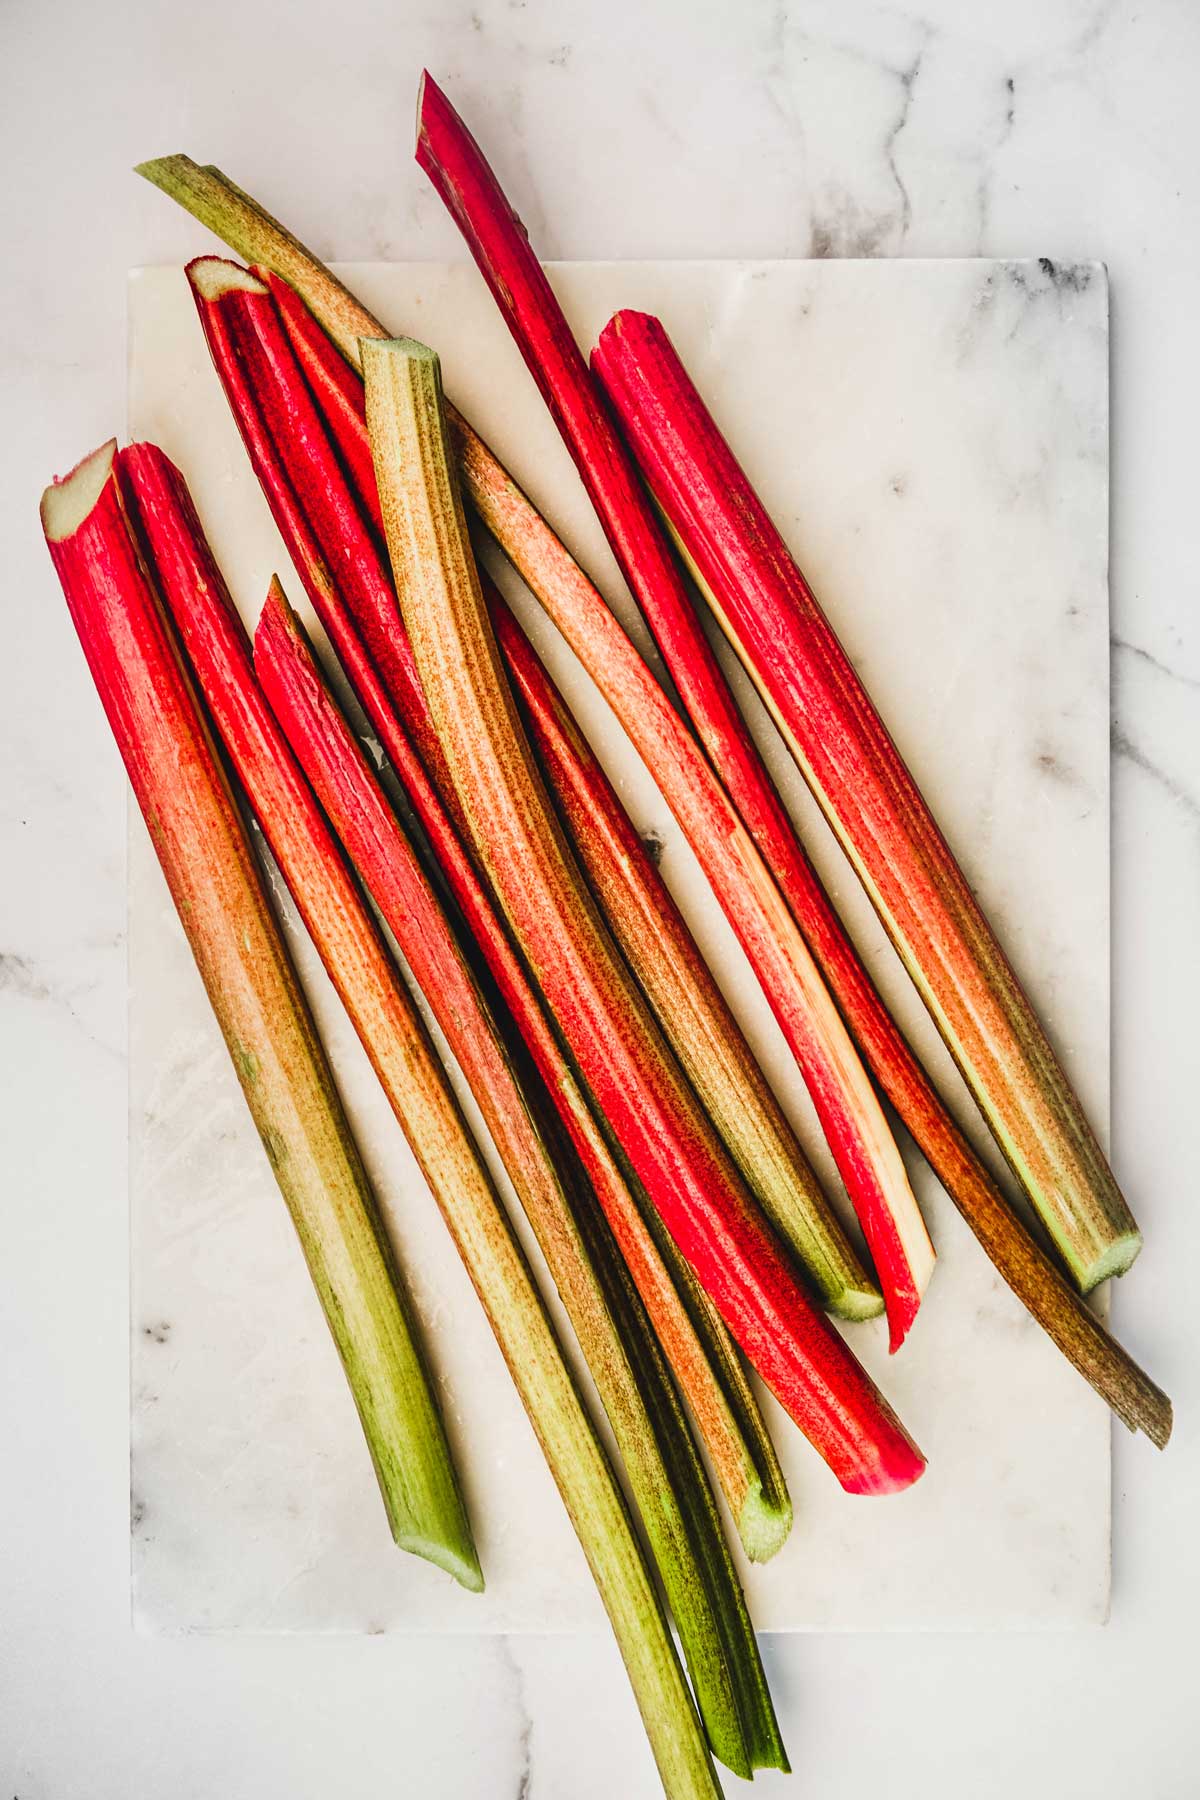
67, 502
214, 276
1117, 1259
763, 1525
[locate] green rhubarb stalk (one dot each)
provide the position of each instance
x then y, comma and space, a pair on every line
625, 1063
206, 857
665, 1474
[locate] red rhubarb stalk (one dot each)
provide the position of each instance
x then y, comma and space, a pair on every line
771, 618
206, 857
622, 1057
850, 1115
244, 336
581, 614
252, 355
665, 1474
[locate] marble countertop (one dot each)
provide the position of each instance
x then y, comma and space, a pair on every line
833, 128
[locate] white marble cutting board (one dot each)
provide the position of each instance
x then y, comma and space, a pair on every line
932, 436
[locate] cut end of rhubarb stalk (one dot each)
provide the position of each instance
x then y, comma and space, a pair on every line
465, 1570
856, 1304
764, 1523
67, 502
165, 172
213, 276
890, 1475
426, 78
411, 349
1120, 1255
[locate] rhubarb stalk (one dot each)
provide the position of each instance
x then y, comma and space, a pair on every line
625, 1064
769, 614
853, 1122
206, 857
663, 955
292, 458
670, 755
665, 1474
416, 1087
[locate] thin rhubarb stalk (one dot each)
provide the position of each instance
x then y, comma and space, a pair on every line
663, 955
670, 755
292, 457
769, 614
416, 1087
647, 924
846, 1104
656, 1447
206, 857
622, 1057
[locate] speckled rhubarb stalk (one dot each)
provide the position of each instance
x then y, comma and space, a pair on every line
206, 857
850, 1115
665, 1475
622, 1057
581, 614
843, 750
292, 456
648, 926
663, 955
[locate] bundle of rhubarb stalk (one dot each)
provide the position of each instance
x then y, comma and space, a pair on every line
686, 1234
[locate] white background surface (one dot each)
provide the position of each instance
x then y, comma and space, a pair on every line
655, 131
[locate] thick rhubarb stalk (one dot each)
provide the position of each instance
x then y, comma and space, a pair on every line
622, 1057
646, 922
415, 1084
670, 755
292, 457
662, 953
206, 857
664, 1471
850, 1114
769, 614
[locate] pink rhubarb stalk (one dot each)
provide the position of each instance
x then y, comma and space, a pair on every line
771, 618
293, 457
622, 1057
206, 857
853, 1122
